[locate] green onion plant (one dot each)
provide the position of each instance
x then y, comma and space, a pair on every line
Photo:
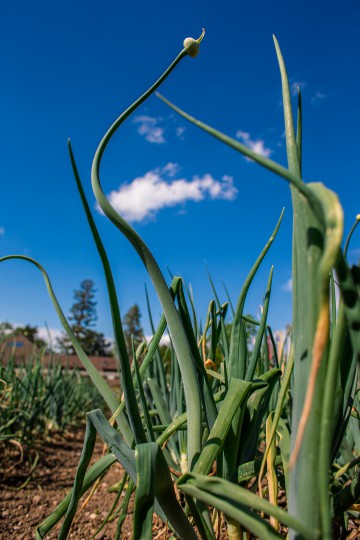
208, 437
39, 399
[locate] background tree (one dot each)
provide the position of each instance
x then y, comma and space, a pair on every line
6, 328
132, 327
83, 311
29, 331
83, 315
32, 334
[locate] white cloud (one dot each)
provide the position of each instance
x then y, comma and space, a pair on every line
165, 339
2, 231
295, 85
149, 128
287, 286
148, 194
7, 331
257, 146
180, 132
49, 335
318, 97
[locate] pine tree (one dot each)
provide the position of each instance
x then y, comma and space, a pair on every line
83, 311
132, 327
83, 315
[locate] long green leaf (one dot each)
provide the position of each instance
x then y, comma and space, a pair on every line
205, 390
157, 474
333, 217
145, 492
237, 354
157, 364
349, 280
352, 230
88, 448
308, 239
149, 428
181, 345
125, 373
237, 503
151, 351
235, 396
96, 471
255, 414
254, 356
299, 131
285, 383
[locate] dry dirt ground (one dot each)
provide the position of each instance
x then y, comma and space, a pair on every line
21, 511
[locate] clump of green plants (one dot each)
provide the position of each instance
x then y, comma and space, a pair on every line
38, 399
226, 425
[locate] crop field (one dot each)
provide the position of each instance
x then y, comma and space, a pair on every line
215, 436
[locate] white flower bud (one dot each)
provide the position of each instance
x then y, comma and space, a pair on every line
192, 45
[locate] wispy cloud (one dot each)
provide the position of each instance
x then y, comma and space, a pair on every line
318, 97
180, 132
2, 231
256, 145
170, 169
146, 195
295, 85
150, 129
287, 286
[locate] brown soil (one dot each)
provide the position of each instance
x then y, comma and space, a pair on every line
21, 511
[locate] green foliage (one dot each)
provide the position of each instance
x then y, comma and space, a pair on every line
36, 400
83, 311
29, 331
5, 329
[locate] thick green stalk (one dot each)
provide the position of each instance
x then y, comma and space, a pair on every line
181, 345
326, 432
307, 250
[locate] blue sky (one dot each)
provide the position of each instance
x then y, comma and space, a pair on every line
68, 69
